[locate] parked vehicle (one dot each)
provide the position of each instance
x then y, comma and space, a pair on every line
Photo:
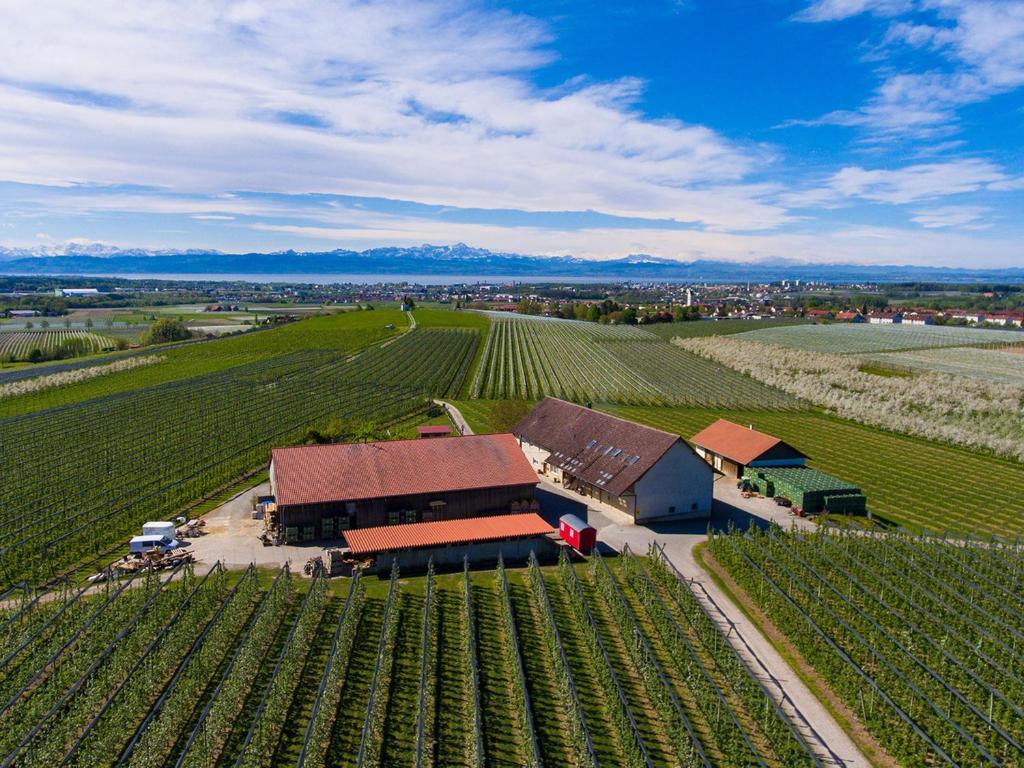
147, 543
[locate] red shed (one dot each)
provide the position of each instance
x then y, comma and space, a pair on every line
581, 536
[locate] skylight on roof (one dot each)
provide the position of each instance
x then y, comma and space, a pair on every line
591, 444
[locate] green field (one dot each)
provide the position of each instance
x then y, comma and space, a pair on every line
851, 338
920, 638
611, 663
909, 481
529, 358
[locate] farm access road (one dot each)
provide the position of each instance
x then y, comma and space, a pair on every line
456, 416
832, 745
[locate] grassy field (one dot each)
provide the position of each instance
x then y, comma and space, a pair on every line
528, 358
932, 669
851, 338
467, 668
908, 481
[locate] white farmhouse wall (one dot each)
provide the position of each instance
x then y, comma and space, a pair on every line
681, 480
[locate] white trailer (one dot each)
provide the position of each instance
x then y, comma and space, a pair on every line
158, 529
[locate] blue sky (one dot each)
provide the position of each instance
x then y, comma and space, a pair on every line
881, 131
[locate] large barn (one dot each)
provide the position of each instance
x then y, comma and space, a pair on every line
332, 488
730, 448
645, 472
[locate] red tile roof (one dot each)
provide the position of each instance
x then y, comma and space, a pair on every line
740, 444
388, 538
434, 429
352, 471
605, 451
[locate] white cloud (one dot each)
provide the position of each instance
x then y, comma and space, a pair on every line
900, 186
428, 101
960, 216
982, 40
837, 10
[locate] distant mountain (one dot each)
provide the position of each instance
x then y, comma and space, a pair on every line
458, 259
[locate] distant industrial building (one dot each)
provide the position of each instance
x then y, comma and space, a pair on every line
76, 292
645, 472
730, 448
322, 490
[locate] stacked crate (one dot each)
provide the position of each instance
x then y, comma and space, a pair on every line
809, 489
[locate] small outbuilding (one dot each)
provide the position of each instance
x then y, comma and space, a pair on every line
580, 536
447, 542
433, 430
730, 448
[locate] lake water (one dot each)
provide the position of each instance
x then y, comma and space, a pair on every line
335, 279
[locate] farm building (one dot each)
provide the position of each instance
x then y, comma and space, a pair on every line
808, 489
321, 490
730, 448
447, 542
645, 472
433, 430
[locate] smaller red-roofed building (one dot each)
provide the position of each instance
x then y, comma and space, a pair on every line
849, 316
323, 490
434, 430
447, 542
730, 448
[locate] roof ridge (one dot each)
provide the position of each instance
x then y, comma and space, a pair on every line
617, 418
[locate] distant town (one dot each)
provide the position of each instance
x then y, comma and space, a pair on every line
628, 303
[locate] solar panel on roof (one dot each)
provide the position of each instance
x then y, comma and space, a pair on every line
592, 443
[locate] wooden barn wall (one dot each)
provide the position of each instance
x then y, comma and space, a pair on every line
374, 512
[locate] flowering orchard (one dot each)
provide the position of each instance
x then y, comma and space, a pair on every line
853, 338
